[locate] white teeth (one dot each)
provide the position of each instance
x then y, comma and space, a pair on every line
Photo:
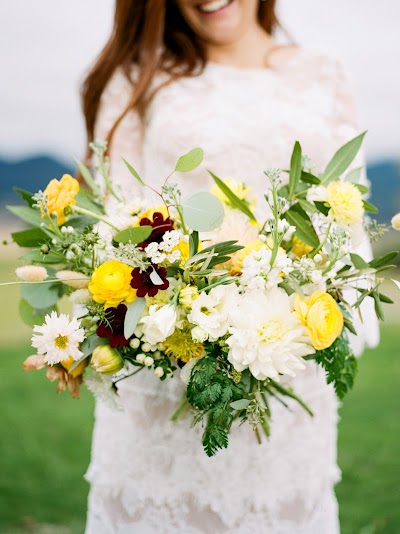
211, 7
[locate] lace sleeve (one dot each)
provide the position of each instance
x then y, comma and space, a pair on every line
346, 127
127, 140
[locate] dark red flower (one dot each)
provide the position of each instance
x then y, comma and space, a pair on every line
160, 226
114, 327
141, 281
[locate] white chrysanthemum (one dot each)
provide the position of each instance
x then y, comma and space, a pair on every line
266, 337
58, 338
257, 272
31, 273
159, 324
101, 386
211, 312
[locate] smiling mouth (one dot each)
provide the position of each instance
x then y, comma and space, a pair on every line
214, 6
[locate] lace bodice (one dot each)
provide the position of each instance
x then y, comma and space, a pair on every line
149, 475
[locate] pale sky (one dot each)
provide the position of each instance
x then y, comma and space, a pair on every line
46, 45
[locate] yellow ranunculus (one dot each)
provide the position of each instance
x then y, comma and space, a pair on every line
346, 203
299, 249
322, 317
78, 370
111, 284
240, 189
60, 194
106, 360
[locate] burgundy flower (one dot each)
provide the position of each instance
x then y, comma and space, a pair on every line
141, 281
160, 226
114, 327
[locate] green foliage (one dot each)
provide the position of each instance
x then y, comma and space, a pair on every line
134, 173
370, 207
27, 214
309, 178
25, 195
32, 237
85, 199
133, 314
340, 365
342, 159
295, 168
42, 296
381, 261
133, 235
33, 316
190, 161
203, 212
212, 392
87, 176
296, 216
233, 199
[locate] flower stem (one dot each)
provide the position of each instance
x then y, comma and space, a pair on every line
283, 391
83, 211
128, 376
182, 407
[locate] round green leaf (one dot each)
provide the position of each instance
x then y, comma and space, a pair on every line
203, 212
133, 235
41, 296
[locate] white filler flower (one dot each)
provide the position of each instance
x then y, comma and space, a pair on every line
266, 337
58, 338
211, 312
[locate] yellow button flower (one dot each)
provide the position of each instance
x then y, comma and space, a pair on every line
60, 194
346, 203
322, 317
110, 284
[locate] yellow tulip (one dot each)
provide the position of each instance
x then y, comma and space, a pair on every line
106, 360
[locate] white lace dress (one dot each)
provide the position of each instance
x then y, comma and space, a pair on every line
147, 474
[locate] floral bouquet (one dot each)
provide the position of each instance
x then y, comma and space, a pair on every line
199, 287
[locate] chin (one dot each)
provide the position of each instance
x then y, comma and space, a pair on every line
219, 22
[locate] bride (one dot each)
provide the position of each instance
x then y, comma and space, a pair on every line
176, 74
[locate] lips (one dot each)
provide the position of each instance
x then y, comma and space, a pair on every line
214, 6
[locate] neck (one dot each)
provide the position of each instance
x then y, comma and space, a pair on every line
249, 51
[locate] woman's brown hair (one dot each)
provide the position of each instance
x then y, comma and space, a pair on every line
153, 35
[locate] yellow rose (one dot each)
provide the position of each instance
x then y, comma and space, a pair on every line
78, 370
60, 194
106, 360
346, 203
111, 284
240, 189
322, 317
300, 249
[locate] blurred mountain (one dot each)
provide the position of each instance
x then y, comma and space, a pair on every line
35, 172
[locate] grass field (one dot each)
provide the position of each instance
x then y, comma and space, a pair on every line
45, 448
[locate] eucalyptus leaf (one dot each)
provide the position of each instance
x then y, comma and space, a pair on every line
203, 212
89, 344
134, 172
133, 315
342, 159
134, 235
190, 161
33, 316
36, 256
41, 296
295, 168
235, 201
240, 404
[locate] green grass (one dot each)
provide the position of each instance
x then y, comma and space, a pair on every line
45, 447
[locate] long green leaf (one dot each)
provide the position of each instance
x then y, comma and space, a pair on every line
295, 168
309, 178
133, 171
32, 237
133, 315
305, 231
376, 263
236, 202
25, 195
342, 159
29, 215
370, 207
87, 176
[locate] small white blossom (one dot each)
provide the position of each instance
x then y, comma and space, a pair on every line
159, 372
134, 343
148, 361
140, 358
146, 347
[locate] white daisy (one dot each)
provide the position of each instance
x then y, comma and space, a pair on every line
58, 338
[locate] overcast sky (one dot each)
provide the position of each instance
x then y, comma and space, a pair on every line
46, 45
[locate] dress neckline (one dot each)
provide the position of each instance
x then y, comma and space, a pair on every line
223, 67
